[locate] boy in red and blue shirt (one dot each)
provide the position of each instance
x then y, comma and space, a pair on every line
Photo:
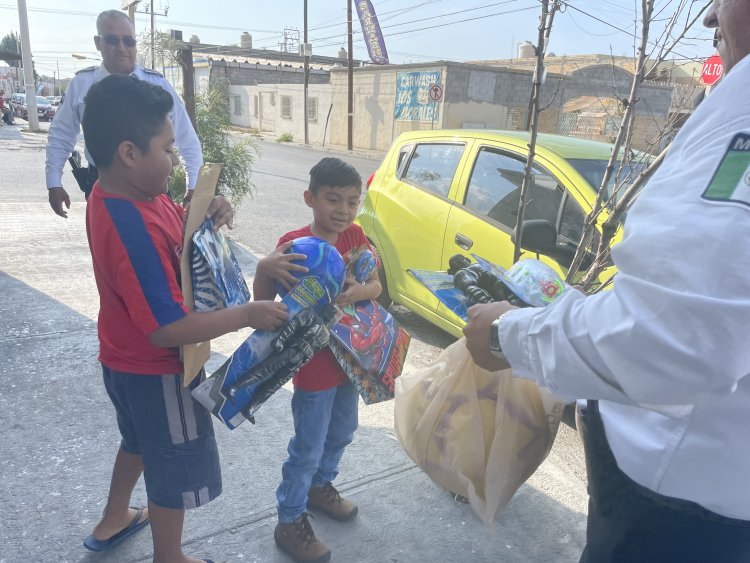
135, 236
324, 404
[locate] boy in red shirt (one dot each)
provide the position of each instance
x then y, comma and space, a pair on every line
324, 405
135, 236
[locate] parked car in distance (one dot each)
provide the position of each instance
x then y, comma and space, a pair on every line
45, 111
54, 100
445, 192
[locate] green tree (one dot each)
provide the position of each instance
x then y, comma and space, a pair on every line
214, 131
11, 43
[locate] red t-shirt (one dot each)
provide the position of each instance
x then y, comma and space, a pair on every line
323, 371
135, 248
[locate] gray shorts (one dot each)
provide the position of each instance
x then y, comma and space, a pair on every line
161, 422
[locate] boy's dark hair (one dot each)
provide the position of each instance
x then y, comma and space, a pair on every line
333, 172
122, 108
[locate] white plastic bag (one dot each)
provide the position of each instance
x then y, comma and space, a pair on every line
476, 433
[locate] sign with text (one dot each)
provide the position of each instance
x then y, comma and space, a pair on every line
413, 101
372, 33
712, 70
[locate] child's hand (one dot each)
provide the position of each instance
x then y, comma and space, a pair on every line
221, 213
278, 265
350, 293
266, 315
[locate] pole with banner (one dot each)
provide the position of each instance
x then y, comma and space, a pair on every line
371, 31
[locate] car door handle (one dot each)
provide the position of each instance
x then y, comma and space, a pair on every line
463, 241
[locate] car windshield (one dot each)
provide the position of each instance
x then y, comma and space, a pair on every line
42, 101
593, 172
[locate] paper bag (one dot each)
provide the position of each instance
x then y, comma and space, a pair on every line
194, 356
476, 433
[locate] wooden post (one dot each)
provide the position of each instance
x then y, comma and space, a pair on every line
350, 105
307, 76
185, 56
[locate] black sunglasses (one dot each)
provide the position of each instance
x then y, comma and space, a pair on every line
114, 40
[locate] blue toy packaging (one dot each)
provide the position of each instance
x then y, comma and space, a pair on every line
266, 360
528, 283
368, 343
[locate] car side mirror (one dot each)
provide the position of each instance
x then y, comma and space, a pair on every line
540, 236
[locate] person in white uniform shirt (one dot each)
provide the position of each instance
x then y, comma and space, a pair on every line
116, 42
664, 357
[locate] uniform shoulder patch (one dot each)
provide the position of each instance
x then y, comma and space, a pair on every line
154, 72
87, 69
731, 181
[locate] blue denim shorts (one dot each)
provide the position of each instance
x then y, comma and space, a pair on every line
160, 421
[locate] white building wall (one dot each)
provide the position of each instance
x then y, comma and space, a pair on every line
277, 109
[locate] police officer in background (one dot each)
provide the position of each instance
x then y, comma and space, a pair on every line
116, 42
664, 357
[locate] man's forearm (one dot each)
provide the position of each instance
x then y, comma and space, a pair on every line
199, 327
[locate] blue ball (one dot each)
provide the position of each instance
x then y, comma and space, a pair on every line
323, 261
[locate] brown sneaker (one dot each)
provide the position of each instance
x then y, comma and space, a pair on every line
328, 500
298, 541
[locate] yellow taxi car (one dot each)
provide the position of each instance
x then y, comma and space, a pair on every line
444, 192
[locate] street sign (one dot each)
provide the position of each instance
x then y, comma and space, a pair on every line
712, 70
436, 92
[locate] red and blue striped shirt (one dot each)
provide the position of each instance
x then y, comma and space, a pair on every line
135, 249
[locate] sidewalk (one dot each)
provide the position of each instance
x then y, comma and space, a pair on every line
334, 149
60, 437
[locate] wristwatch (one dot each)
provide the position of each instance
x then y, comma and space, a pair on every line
495, 347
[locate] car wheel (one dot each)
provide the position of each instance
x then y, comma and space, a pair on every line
384, 299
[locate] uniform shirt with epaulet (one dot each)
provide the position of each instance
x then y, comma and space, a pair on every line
64, 130
666, 351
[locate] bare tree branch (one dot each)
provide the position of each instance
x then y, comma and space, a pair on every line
545, 26
647, 7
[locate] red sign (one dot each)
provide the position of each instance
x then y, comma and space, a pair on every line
712, 70
436, 92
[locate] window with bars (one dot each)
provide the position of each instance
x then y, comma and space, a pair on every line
312, 109
237, 105
286, 107
255, 106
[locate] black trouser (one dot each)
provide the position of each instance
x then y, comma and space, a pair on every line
628, 523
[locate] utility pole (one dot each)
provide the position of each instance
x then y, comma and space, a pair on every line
28, 67
153, 52
350, 105
149, 10
307, 73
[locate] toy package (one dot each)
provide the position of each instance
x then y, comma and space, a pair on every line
528, 283
216, 275
267, 360
367, 341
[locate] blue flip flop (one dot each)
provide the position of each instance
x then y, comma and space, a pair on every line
93, 544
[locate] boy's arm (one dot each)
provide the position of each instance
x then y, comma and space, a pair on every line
277, 266
197, 327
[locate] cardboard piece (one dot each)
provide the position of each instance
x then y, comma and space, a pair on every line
194, 356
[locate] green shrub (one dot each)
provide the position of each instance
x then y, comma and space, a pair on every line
285, 138
237, 156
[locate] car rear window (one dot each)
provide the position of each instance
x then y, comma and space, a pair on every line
432, 166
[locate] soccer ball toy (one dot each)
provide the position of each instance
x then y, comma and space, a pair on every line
323, 261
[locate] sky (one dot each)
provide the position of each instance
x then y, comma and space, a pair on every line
414, 30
